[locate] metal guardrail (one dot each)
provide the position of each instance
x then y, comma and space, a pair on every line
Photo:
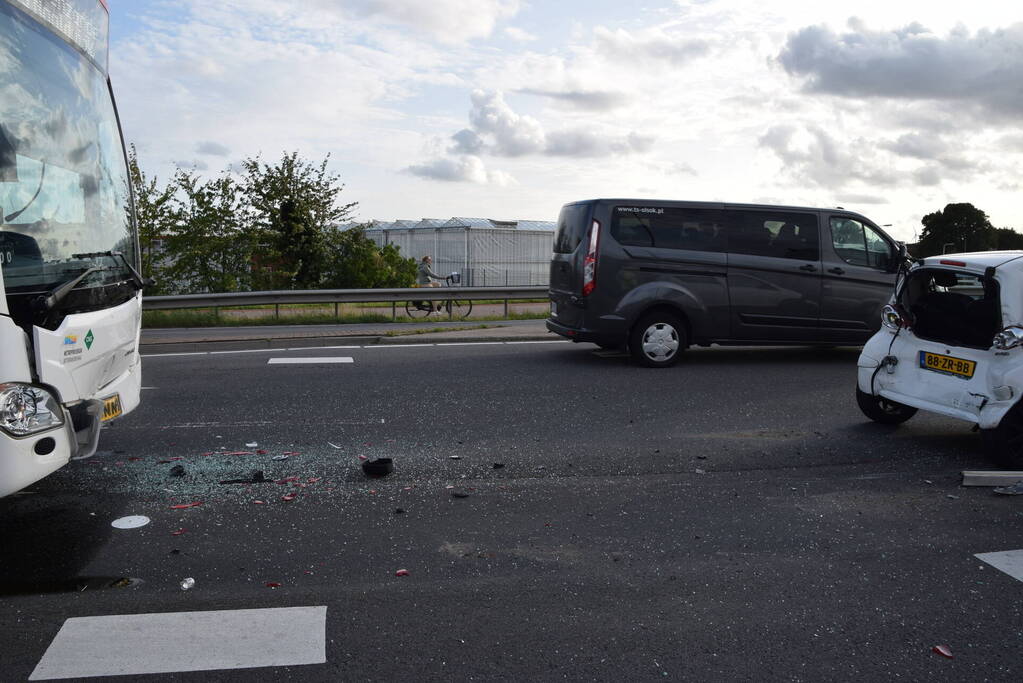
340, 296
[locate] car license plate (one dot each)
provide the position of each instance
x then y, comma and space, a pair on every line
959, 367
111, 408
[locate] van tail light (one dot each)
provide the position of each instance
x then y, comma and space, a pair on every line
1009, 338
590, 262
894, 317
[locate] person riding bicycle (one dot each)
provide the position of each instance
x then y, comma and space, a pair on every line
425, 277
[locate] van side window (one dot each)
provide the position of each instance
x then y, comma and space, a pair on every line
781, 235
858, 244
668, 228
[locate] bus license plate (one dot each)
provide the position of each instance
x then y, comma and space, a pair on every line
948, 365
111, 408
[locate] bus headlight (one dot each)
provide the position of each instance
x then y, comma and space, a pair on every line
25, 409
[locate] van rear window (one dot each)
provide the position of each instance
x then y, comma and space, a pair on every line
571, 227
668, 228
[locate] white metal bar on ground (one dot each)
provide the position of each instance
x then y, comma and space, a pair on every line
135, 644
552, 341
310, 360
1009, 561
468, 343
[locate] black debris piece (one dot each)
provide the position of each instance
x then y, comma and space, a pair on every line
380, 467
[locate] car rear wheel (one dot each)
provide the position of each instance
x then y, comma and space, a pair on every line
883, 410
1004, 443
657, 340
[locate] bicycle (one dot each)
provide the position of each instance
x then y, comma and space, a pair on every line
455, 308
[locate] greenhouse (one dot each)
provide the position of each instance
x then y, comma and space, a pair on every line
486, 252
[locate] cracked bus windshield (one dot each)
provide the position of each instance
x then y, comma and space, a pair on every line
63, 181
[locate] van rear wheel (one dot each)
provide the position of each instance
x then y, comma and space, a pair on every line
1004, 443
657, 340
883, 410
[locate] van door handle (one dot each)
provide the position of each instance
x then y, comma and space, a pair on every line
836, 271
808, 268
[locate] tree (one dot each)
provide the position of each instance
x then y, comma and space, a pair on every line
295, 204
963, 226
1007, 238
156, 216
211, 248
355, 262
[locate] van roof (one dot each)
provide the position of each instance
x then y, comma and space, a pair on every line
726, 205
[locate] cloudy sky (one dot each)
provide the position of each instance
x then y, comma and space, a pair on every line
510, 108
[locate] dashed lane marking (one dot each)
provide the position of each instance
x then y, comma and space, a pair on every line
136, 644
310, 360
1008, 561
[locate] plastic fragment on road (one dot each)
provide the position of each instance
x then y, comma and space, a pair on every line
260, 452
380, 467
130, 522
1013, 490
286, 480
259, 502
252, 444
178, 532
279, 457
313, 480
459, 494
291, 453
289, 497
185, 506
401, 572
134, 459
943, 650
498, 465
177, 471
454, 457
333, 445
363, 457
187, 583
273, 584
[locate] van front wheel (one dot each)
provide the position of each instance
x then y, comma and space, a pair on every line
657, 340
882, 410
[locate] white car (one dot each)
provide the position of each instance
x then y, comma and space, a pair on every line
951, 343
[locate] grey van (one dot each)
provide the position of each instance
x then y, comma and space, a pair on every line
657, 276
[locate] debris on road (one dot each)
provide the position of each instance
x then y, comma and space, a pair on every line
498, 465
178, 532
187, 583
399, 511
991, 477
455, 457
379, 467
130, 522
332, 445
177, 471
943, 650
257, 477
185, 506
279, 457
286, 480
401, 572
289, 497
1013, 490
460, 494
259, 502
273, 584
169, 460
251, 445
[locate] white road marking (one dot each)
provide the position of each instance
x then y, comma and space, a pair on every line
135, 644
1008, 561
367, 346
311, 360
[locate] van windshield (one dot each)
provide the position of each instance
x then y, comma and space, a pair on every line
571, 227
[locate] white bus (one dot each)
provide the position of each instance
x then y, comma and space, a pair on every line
70, 291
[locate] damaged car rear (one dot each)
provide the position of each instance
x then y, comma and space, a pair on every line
951, 342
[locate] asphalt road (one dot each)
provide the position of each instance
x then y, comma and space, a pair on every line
564, 515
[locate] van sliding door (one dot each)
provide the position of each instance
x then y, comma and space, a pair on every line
774, 275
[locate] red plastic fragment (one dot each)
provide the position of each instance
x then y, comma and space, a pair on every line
134, 459
260, 452
401, 572
186, 505
372, 490
313, 480
363, 457
943, 650
286, 480
308, 572
289, 496
178, 532
272, 584
259, 502
291, 453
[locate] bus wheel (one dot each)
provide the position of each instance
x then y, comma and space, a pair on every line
657, 340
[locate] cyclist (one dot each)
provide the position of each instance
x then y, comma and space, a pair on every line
425, 277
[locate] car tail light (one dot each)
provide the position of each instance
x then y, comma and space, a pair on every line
590, 262
944, 262
894, 317
1009, 338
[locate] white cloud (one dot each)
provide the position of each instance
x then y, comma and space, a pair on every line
518, 34
211, 148
649, 46
466, 168
446, 20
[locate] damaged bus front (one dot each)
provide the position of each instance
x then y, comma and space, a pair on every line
70, 291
